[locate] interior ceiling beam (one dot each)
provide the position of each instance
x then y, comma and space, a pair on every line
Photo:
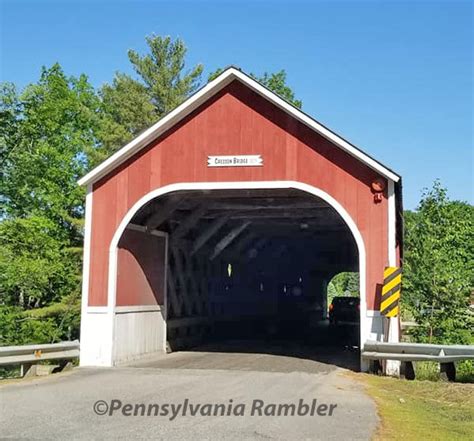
208, 232
188, 223
283, 229
238, 246
254, 193
277, 246
274, 214
334, 233
163, 213
258, 205
226, 240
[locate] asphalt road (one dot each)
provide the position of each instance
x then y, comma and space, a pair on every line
249, 387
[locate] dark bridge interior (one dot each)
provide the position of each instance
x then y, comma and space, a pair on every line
251, 264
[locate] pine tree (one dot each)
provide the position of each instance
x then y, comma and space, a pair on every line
162, 83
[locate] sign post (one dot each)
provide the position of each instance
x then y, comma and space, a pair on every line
390, 301
392, 283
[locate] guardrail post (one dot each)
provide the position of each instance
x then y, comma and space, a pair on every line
27, 370
64, 365
407, 370
375, 367
447, 371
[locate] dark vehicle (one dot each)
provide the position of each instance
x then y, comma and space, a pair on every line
344, 309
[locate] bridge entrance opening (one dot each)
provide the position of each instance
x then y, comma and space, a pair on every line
241, 271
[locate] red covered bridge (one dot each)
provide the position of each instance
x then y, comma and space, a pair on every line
236, 207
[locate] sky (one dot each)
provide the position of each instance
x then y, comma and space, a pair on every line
394, 78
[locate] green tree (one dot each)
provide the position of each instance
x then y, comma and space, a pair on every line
162, 72
343, 284
162, 83
35, 268
439, 268
45, 145
346, 284
46, 133
16, 328
125, 110
276, 82
10, 111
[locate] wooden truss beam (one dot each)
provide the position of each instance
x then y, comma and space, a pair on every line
276, 214
188, 223
239, 245
208, 233
226, 240
259, 205
156, 219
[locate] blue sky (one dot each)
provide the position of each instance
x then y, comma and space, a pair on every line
394, 78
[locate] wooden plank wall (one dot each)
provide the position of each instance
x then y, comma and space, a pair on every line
237, 121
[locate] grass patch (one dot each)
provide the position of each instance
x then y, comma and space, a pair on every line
417, 410
9, 372
428, 370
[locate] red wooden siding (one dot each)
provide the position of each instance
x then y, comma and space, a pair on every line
143, 256
238, 121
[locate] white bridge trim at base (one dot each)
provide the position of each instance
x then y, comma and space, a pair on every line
137, 308
104, 356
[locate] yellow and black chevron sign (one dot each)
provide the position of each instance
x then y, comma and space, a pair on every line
392, 283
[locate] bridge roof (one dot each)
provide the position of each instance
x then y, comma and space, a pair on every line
205, 93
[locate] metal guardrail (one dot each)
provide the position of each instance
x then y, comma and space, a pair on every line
408, 353
404, 351
30, 354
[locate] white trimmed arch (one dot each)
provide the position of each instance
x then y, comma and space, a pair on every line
113, 249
